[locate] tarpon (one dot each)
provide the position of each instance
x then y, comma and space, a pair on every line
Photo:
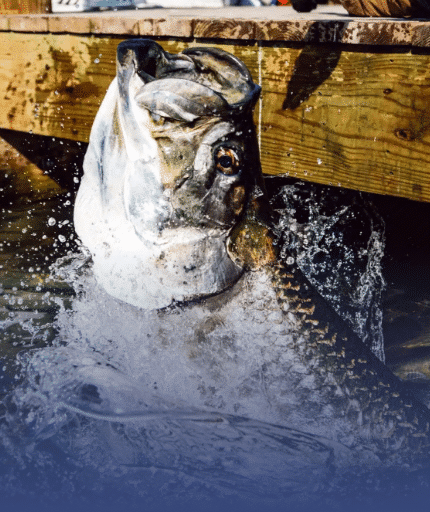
173, 209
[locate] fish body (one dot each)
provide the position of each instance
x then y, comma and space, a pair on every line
316, 373
385, 416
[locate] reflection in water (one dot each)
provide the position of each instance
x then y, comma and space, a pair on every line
114, 405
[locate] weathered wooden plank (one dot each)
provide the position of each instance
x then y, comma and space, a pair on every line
28, 23
53, 85
330, 115
223, 28
69, 24
347, 31
114, 26
354, 119
175, 27
328, 24
4, 23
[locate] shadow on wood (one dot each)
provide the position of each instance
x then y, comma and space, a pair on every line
60, 159
312, 68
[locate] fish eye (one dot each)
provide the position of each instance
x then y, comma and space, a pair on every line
227, 161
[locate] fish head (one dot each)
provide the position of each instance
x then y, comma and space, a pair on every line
213, 190
197, 108
172, 167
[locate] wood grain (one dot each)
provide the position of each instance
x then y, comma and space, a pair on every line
4, 23
28, 23
223, 28
53, 84
24, 6
328, 24
114, 25
371, 32
69, 25
353, 119
357, 119
175, 27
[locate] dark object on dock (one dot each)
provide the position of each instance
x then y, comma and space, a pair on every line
306, 5
393, 8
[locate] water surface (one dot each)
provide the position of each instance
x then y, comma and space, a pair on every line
93, 414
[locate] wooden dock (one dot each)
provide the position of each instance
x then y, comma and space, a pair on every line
345, 101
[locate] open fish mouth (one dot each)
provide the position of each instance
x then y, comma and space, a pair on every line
172, 166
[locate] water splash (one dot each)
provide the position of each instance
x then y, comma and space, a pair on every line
170, 397
194, 401
338, 242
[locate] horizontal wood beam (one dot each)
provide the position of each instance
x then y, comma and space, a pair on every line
329, 24
347, 115
354, 119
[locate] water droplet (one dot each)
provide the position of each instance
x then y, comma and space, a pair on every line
51, 221
96, 60
62, 238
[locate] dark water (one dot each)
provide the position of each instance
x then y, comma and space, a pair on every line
65, 445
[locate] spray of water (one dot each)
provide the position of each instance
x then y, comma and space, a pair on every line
199, 399
338, 242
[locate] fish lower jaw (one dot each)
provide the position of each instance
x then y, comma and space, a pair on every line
171, 269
